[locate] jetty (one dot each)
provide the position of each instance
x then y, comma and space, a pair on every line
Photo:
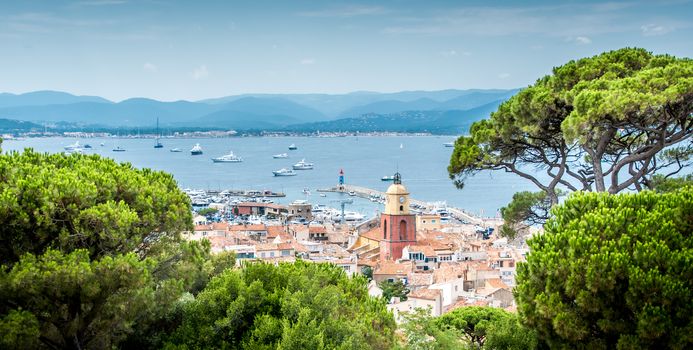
246, 193
365, 192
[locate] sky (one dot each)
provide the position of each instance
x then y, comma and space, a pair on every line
191, 50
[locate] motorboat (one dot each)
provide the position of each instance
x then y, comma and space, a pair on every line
73, 146
284, 172
228, 158
119, 149
87, 146
387, 178
158, 144
449, 144
352, 193
303, 165
102, 144
176, 149
196, 150
74, 151
280, 156
323, 195
292, 147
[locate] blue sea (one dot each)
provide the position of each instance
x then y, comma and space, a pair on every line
422, 161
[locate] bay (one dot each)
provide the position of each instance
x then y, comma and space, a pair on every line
422, 161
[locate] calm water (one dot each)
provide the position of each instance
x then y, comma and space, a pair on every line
422, 161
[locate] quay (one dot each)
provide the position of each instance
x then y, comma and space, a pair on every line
365, 192
246, 193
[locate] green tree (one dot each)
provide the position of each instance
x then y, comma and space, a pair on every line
368, 272
662, 184
612, 271
605, 123
423, 332
394, 289
207, 211
472, 322
90, 249
297, 305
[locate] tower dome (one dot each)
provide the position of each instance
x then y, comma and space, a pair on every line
397, 198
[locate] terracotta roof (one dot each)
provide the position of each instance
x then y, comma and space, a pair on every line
428, 294
450, 272
427, 250
393, 268
496, 283
375, 234
257, 227
317, 229
266, 247
284, 246
420, 278
274, 231
217, 226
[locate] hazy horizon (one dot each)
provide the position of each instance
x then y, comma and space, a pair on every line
174, 50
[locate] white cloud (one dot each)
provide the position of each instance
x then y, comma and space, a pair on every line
453, 53
307, 61
150, 67
652, 30
200, 72
583, 40
504, 75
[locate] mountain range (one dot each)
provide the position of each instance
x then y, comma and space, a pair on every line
444, 111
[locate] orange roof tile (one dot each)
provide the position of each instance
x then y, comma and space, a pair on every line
317, 229
496, 283
428, 294
375, 234
393, 268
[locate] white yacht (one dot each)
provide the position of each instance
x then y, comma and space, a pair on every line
228, 158
280, 156
303, 165
284, 172
292, 147
73, 146
196, 150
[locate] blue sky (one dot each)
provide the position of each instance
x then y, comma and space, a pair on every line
192, 50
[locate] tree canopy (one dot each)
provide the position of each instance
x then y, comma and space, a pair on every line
90, 249
299, 305
605, 123
612, 271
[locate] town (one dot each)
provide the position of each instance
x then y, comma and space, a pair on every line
446, 259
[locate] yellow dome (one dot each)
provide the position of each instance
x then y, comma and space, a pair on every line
397, 189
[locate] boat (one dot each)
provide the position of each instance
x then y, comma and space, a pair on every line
87, 146
387, 178
323, 195
292, 147
119, 149
303, 165
196, 150
157, 144
228, 158
306, 191
280, 156
449, 144
352, 193
102, 144
176, 149
284, 172
73, 146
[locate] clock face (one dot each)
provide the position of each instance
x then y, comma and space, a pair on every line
401, 199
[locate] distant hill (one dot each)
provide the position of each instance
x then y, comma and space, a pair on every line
42, 98
448, 122
417, 110
12, 126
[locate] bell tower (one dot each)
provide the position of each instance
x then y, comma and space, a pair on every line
397, 224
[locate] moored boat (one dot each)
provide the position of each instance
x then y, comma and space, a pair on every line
280, 156
228, 158
284, 172
196, 150
176, 149
303, 165
293, 147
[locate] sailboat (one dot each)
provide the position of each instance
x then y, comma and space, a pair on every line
157, 144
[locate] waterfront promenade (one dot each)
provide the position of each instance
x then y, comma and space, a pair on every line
457, 213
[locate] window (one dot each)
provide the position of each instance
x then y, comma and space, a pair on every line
402, 230
385, 230
433, 221
272, 254
401, 208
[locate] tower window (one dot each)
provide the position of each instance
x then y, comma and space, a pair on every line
402, 230
401, 208
385, 230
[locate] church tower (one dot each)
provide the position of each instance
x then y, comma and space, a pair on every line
397, 224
